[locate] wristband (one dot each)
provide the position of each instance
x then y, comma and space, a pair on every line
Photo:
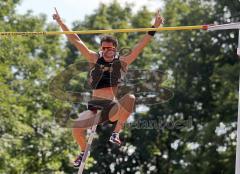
151, 33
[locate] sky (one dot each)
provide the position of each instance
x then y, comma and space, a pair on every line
71, 10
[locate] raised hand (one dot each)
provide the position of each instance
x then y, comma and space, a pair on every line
56, 16
158, 19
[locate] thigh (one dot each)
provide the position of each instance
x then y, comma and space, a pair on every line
85, 120
125, 104
114, 112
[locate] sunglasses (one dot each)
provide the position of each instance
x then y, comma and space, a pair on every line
108, 48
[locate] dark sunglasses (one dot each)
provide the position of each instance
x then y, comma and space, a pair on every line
108, 48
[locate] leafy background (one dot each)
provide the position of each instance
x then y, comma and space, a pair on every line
203, 68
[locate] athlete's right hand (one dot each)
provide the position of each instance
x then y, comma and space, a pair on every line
56, 16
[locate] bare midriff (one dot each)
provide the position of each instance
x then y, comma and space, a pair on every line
108, 93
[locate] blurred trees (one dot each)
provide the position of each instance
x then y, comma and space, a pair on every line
29, 141
194, 132
205, 70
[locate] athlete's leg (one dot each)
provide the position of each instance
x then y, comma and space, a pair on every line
79, 135
121, 111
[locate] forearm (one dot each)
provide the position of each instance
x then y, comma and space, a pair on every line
144, 41
75, 40
142, 44
137, 49
71, 37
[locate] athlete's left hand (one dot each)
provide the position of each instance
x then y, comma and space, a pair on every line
158, 19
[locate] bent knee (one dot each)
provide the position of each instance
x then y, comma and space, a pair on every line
128, 103
131, 97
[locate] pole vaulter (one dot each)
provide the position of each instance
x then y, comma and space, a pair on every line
96, 115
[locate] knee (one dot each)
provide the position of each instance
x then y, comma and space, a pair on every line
129, 102
131, 98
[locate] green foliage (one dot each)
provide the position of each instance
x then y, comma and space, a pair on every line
30, 141
203, 74
203, 65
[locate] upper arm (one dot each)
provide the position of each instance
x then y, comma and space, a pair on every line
131, 57
90, 55
136, 50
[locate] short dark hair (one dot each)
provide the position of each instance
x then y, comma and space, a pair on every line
109, 38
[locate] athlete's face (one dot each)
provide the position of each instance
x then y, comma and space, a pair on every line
109, 51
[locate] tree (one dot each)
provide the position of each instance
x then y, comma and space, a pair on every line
194, 132
29, 138
198, 61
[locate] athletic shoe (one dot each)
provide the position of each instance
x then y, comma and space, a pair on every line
78, 161
115, 139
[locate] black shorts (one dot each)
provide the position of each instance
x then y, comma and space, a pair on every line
104, 105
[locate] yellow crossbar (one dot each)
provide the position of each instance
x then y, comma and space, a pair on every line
197, 27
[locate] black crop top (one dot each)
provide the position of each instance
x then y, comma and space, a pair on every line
106, 74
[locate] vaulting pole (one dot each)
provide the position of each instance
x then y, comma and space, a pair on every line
89, 143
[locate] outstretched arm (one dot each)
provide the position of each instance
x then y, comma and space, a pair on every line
76, 41
143, 42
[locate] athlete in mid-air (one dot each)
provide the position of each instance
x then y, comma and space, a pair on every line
106, 71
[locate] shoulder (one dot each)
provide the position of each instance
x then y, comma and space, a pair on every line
94, 57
